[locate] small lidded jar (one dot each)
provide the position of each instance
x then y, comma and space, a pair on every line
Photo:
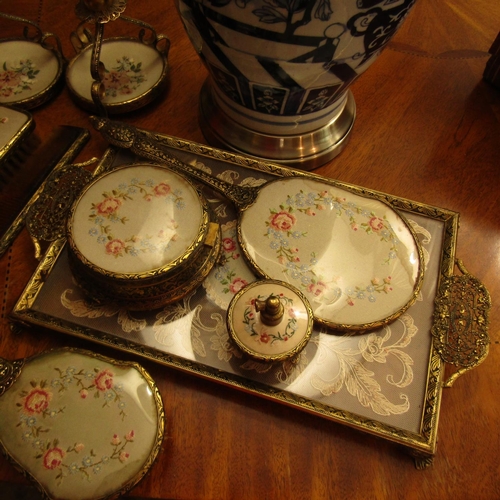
270, 320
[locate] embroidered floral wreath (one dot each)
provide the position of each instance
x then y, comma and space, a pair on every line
107, 212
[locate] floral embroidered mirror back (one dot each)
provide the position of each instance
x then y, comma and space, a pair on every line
354, 258
80, 425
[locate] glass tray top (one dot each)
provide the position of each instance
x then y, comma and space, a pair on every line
386, 382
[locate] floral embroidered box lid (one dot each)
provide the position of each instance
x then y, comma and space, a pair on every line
81, 425
270, 320
136, 220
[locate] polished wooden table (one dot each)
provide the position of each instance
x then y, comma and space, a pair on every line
427, 129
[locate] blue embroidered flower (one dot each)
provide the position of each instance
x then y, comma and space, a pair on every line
73, 468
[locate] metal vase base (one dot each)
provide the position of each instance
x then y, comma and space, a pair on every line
303, 151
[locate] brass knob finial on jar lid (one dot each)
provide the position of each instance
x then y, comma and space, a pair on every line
270, 320
271, 310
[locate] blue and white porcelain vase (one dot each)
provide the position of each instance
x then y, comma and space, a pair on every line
280, 71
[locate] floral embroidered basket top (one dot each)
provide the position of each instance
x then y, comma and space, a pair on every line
137, 219
80, 425
28, 71
133, 71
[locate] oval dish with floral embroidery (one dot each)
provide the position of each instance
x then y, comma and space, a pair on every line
80, 425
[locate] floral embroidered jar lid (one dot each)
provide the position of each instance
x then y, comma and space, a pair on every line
29, 73
141, 233
270, 320
80, 425
135, 74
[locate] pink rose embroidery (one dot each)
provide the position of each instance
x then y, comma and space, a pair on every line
264, 338
162, 189
84, 393
237, 285
116, 440
115, 79
130, 436
282, 221
53, 458
115, 247
108, 206
317, 288
37, 401
104, 380
228, 244
376, 224
123, 456
8, 81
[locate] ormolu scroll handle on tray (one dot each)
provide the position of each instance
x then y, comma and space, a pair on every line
144, 145
461, 319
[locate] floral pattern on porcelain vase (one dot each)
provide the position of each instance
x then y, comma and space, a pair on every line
289, 58
81, 425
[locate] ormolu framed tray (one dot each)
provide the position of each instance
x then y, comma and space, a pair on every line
387, 382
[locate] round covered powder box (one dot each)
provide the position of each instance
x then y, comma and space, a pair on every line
141, 235
270, 320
